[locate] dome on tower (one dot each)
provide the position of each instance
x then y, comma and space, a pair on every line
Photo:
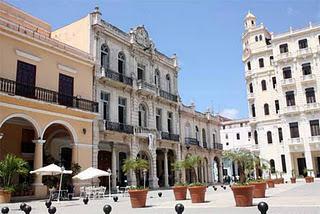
249, 15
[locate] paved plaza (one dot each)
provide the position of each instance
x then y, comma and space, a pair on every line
285, 198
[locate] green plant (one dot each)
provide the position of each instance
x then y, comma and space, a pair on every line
135, 165
293, 173
10, 167
192, 162
307, 172
178, 166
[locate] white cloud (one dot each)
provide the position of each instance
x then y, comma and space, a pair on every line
231, 113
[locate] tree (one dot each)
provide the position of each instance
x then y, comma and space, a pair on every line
192, 162
12, 166
178, 166
135, 165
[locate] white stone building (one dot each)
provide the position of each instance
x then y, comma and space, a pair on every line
282, 76
136, 86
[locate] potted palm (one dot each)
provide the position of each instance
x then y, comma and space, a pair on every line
308, 178
293, 176
270, 181
138, 194
259, 183
197, 190
10, 167
180, 188
242, 190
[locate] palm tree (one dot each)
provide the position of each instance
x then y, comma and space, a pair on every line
192, 162
135, 164
12, 166
178, 166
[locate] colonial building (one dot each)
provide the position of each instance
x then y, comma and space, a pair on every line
136, 86
46, 93
282, 79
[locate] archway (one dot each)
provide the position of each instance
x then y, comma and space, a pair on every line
171, 172
160, 167
144, 155
216, 169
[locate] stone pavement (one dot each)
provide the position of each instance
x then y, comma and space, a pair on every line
299, 198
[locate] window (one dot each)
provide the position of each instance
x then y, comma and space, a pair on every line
122, 110
223, 127
280, 134
255, 135
283, 162
249, 66
159, 119
277, 106
314, 127
271, 60
213, 138
256, 38
253, 110
238, 136
121, 63
306, 68
204, 138
170, 120
241, 124
294, 130
286, 73
197, 133
283, 48
250, 88
104, 56
290, 98
249, 135
266, 109
227, 144
168, 83
303, 43
272, 166
142, 115
269, 137
105, 99
319, 39
140, 72
260, 37
263, 85
274, 82
157, 78
226, 136
310, 95
261, 63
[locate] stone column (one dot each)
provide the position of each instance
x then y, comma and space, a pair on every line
308, 157
220, 171
166, 174
114, 168
75, 158
39, 188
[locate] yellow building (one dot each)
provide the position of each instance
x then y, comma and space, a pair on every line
46, 93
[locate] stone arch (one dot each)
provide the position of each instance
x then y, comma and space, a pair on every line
143, 153
66, 125
216, 169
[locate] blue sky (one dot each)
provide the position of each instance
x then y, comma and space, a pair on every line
205, 34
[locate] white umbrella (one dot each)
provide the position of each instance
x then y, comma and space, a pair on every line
52, 169
91, 173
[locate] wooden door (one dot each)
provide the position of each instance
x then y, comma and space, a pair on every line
104, 163
26, 79
65, 90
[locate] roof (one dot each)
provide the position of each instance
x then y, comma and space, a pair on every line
249, 15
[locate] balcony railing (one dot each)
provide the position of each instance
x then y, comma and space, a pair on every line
283, 56
312, 106
146, 86
204, 145
118, 127
168, 96
308, 78
218, 146
289, 81
116, 76
296, 140
290, 110
304, 51
315, 139
169, 136
45, 95
191, 141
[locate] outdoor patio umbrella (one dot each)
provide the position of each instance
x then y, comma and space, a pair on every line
52, 169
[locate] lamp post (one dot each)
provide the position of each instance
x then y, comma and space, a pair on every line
144, 178
62, 170
109, 171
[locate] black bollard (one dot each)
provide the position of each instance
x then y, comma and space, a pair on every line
52, 210
107, 209
27, 209
215, 188
221, 186
48, 203
86, 200
224, 188
22, 206
115, 198
5, 210
263, 207
160, 194
179, 208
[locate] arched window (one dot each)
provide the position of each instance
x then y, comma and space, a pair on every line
255, 137
249, 66
272, 166
260, 37
142, 115
263, 85
266, 109
251, 88
256, 38
104, 56
188, 130
197, 133
269, 137
168, 83
157, 78
253, 110
121, 63
204, 138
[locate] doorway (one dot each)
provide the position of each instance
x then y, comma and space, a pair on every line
26, 79
104, 163
301, 166
65, 90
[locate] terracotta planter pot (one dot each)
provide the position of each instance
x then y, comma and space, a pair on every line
270, 183
259, 189
138, 198
309, 179
180, 192
281, 180
243, 195
293, 180
5, 196
276, 181
197, 193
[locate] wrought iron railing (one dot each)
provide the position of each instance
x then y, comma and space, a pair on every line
204, 145
168, 96
191, 141
42, 94
169, 136
119, 127
117, 76
218, 146
145, 85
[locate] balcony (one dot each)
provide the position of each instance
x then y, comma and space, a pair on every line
169, 136
315, 139
296, 140
305, 79
118, 127
304, 52
283, 57
14, 88
146, 87
191, 141
288, 82
115, 76
168, 96
248, 74
290, 110
250, 96
312, 107
218, 146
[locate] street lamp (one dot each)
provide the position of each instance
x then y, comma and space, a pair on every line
109, 171
62, 170
144, 177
